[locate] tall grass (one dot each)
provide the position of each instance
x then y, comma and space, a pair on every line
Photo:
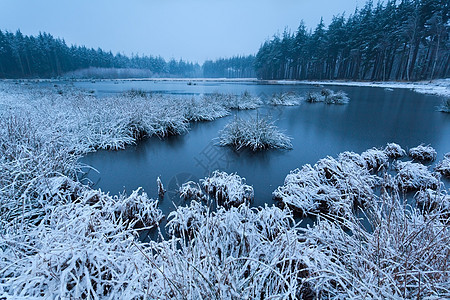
328, 96
443, 167
254, 133
423, 153
285, 99
330, 186
445, 106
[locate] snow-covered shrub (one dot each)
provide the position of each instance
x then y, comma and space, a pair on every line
228, 189
393, 150
414, 176
375, 159
445, 106
191, 190
331, 186
423, 153
303, 190
254, 133
443, 167
285, 99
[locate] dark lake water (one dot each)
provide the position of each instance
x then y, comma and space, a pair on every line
373, 117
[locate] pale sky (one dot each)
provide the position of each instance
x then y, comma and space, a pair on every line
194, 30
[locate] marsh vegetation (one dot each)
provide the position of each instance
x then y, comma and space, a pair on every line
63, 238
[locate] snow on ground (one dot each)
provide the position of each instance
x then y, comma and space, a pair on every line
440, 87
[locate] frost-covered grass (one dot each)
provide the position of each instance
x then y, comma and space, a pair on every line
375, 159
44, 133
229, 101
285, 99
191, 190
443, 167
393, 150
76, 251
251, 253
338, 186
328, 96
330, 186
228, 189
403, 256
423, 153
221, 188
431, 200
61, 239
254, 133
414, 176
445, 106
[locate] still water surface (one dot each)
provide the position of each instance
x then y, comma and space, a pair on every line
373, 117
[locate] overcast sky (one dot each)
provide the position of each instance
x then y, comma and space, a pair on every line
194, 30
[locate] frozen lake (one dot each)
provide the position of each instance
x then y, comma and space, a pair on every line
373, 117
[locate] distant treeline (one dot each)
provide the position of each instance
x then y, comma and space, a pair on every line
43, 55
398, 40
235, 67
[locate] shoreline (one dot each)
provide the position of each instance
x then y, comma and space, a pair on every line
438, 87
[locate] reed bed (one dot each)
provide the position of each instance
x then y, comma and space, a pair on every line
44, 133
244, 101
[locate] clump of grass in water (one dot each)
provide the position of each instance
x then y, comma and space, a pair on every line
224, 189
394, 150
335, 186
285, 99
254, 133
328, 96
423, 153
134, 93
443, 167
445, 106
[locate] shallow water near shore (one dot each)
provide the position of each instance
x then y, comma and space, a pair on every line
373, 117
